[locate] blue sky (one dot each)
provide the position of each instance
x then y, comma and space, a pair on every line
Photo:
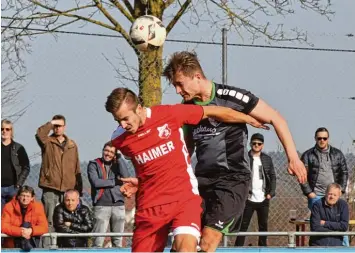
69, 75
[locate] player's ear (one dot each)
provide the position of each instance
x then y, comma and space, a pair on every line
139, 109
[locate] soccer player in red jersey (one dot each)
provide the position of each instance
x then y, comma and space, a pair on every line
167, 197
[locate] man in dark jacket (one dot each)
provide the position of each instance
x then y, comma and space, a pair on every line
15, 165
261, 190
109, 209
329, 214
72, 217
325, 165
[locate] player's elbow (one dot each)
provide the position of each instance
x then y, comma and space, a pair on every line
277, 119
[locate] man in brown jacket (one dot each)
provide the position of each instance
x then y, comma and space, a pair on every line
60, 170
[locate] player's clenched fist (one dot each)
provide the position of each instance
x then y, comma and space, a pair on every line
129, 187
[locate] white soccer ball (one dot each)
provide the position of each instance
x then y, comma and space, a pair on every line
147, 32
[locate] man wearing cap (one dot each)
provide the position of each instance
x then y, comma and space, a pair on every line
261, 189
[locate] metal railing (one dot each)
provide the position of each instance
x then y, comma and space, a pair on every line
290, 235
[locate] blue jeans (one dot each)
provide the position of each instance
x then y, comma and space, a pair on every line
7, 193
312, 201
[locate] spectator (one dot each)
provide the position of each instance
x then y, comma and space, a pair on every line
60, 170
325, 165
330, 214
23, 218
109, 209
261, 190
72, 217
15, 165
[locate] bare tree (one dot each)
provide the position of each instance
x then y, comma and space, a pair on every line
13, 71
31, 17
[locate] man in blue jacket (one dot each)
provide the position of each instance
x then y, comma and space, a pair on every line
329, 214
104, 175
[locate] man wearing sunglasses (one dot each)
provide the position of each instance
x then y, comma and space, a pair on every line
261, 189
325, 165
15, 165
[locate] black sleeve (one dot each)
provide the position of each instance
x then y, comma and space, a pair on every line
306, 189
87, 224
190, 145
25, 165
344, 172
236, 98
58, 220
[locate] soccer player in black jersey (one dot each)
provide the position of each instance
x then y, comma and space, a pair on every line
223, 169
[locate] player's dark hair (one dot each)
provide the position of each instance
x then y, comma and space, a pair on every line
119, 96
321, 129
186, 62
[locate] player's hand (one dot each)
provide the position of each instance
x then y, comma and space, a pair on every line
297, 168
257, 124
129, 187
130, 180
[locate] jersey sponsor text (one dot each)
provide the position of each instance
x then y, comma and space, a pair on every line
154, 153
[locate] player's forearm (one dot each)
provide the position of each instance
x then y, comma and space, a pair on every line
226, 115
285, 137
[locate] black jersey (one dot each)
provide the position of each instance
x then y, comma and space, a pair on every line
222, 148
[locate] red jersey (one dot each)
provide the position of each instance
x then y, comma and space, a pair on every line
159, 154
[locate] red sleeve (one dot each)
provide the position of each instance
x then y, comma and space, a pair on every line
187, 114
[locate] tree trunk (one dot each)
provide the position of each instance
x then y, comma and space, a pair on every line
150, 70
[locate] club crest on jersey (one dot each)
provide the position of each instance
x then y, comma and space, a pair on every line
164, 131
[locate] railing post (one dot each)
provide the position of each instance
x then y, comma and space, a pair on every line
291, 240
53, 240
225, 241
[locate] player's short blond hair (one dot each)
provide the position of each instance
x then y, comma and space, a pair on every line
185, 62
119, 96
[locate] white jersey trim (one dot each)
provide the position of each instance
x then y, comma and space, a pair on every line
193, 179
149, 112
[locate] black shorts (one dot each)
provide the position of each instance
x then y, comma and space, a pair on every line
224, 202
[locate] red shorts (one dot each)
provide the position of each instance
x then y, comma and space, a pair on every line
153, 224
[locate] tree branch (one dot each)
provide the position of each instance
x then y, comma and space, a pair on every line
122, 10
177, 16
64, 13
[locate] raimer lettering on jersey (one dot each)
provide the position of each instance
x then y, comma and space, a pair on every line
154, 153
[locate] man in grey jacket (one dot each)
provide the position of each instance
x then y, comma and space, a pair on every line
104, 175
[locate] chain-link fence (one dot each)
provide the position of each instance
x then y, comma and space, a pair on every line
288, 197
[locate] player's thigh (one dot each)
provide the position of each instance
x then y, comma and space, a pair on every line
186, 224
151, 229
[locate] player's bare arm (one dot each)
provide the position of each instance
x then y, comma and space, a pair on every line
265, 113
228, 115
